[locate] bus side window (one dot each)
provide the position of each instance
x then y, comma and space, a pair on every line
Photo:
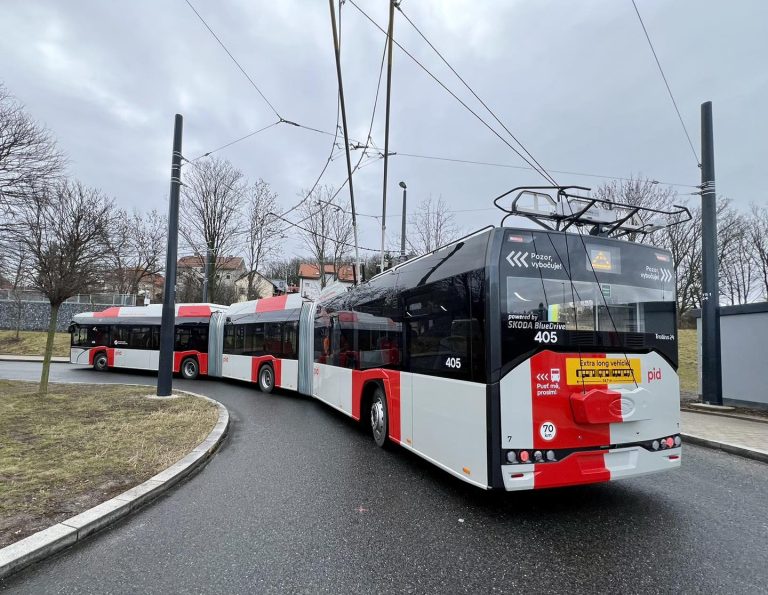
440, 328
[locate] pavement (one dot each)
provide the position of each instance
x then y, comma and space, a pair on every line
742, 436
31, 358
298, 499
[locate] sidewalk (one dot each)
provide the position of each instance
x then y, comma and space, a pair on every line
743, 437
31, 358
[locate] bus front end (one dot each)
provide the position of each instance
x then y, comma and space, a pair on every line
588, 386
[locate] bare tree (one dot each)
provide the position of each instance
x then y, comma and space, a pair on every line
63, 229
432, 225
285, 269
758, 235
735, 251
19, 280
318, 216
29, 157
342, 236
261, 241
209, 212
638, 192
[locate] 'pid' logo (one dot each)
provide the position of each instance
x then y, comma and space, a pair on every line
654, 374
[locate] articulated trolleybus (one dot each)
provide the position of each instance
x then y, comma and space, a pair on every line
513, 358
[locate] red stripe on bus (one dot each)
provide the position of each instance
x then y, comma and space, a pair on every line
110, 357
202, 360
271, 304
112, 312
551, 405
578, 468
256, 362
391, 382
194, 312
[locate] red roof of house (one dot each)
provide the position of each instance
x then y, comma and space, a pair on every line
222, 263
311, 271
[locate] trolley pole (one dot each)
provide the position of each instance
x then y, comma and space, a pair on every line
386, 128
167, 323
402, 231
711, 370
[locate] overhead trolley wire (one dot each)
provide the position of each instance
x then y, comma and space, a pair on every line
666, 83
237, 140
245, 74
507, 165
541, 171
476, 96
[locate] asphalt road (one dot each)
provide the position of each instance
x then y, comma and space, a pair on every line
299, 500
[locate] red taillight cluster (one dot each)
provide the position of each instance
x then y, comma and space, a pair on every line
669, 442
524, 456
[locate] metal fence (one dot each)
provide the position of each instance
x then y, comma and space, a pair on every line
101, 299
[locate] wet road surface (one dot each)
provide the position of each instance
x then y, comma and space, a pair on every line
298, 499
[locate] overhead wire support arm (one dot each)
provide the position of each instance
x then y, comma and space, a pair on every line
337, 52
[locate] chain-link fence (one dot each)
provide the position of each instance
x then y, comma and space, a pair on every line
100, 299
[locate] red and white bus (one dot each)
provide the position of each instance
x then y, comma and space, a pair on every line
129, 337
513, 358
261, 341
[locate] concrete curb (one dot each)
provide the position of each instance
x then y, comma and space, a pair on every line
734, 449
760, 420
32, 358
54, 539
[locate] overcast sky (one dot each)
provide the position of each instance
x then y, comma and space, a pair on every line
574, 81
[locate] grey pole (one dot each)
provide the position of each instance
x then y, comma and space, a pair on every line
168, 321
386, 128
337, 51
402, 230
711, 371
206, 260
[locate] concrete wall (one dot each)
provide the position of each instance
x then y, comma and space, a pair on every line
743, 333
36, 315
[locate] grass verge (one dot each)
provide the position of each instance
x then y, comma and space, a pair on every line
688, 361
83, 444
32, 343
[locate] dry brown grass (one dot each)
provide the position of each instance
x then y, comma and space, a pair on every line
688, 364
83, 444
32, 343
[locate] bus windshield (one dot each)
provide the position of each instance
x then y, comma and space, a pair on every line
566, 291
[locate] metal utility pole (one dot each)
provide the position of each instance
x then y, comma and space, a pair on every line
386, 128
168, 320
402, 231
207, 264
205, 276
337, 51
711, 371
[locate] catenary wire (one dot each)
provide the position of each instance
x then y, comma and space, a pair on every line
221, 43
476, 96
237, 140
540, 171
666, 83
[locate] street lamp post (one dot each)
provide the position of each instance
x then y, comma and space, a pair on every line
402, 232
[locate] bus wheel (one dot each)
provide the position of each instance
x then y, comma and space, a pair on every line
189, 368
100, 362
379, 417
266, 378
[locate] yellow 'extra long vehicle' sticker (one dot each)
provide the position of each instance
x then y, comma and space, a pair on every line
595, 370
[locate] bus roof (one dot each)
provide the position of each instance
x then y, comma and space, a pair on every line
148, 314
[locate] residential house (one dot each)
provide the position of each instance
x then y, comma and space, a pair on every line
309, 278
190, 275
263, 287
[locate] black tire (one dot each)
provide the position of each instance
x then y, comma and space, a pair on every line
100, 362
189, 368
379, 417
266, 378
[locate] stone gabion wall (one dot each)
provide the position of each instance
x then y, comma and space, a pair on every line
36, 315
